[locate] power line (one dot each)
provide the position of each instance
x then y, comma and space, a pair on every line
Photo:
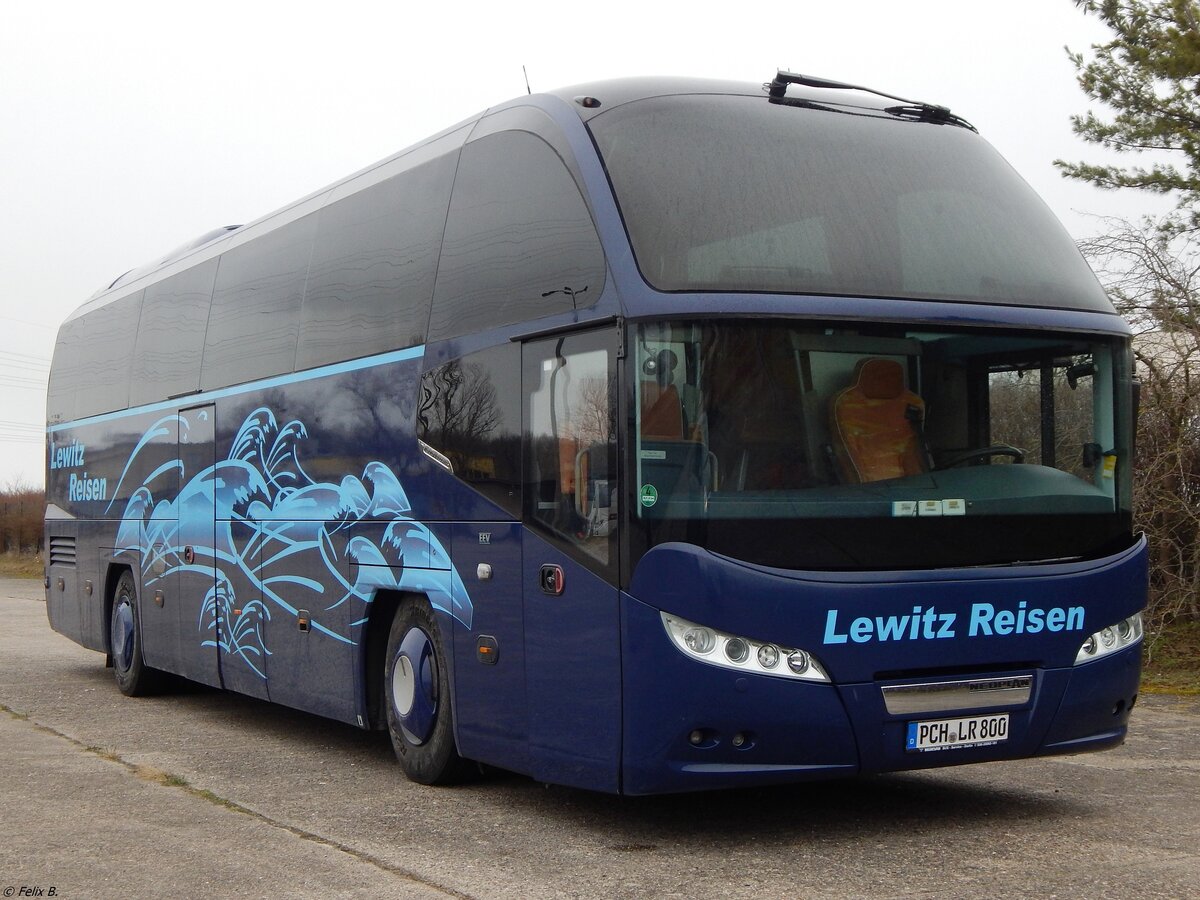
15, 370
9, 370
36, 356
25, 365
42, 360
27, 322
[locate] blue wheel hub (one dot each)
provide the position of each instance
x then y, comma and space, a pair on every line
415, 686
122, 634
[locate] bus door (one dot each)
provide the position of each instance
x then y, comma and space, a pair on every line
569, 557
188, 597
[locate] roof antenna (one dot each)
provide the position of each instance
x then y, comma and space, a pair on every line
526, 74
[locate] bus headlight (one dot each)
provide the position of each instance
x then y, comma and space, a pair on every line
742, 654
1111, 639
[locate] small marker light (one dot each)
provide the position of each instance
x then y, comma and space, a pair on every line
768, 656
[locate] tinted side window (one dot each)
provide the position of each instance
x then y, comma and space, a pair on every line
256, 306
170, 339
519, 241
90, 373
471, 412
373, 267
571, 487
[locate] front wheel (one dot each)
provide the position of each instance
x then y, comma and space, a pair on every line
134, 677
417, 688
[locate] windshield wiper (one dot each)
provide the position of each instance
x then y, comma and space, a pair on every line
909, 109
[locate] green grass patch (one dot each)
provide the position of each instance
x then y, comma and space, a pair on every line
1171, 660
214, 798
21, 565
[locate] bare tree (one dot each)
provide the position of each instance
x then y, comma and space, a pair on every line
1152, 274
21, 510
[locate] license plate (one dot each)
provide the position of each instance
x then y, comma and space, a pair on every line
944, 734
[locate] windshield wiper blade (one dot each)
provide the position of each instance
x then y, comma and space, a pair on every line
909, 109
929, 112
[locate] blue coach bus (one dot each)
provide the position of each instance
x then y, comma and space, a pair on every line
647, 436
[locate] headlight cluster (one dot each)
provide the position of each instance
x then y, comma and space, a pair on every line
1111, 639
742, 654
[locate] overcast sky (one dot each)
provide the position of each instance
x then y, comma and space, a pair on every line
129, 128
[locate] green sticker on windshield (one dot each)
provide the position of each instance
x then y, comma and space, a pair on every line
649, 495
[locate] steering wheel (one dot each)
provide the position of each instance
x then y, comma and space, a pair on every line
984, 453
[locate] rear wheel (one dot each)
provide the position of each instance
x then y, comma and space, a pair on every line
134, 677
417, 691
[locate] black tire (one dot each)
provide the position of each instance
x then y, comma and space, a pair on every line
134, 677
416, 689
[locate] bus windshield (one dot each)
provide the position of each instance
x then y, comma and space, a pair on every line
879, 446
732, 193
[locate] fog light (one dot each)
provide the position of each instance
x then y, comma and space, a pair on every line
739, 739
696, 738
798, 661
768, 656
699, 640
737, 650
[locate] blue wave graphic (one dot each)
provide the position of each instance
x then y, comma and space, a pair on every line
295, 524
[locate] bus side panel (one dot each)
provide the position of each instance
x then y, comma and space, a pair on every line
573, 670
100, 478
92, 597
312, 652
62, 594
490, 702
247, 623
320, 484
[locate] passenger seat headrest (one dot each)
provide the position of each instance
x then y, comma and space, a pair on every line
881, 379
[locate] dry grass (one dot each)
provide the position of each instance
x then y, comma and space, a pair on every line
1171, 663
20, 565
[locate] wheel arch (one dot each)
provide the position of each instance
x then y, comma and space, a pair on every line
111, 577
379, 622
383, 609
